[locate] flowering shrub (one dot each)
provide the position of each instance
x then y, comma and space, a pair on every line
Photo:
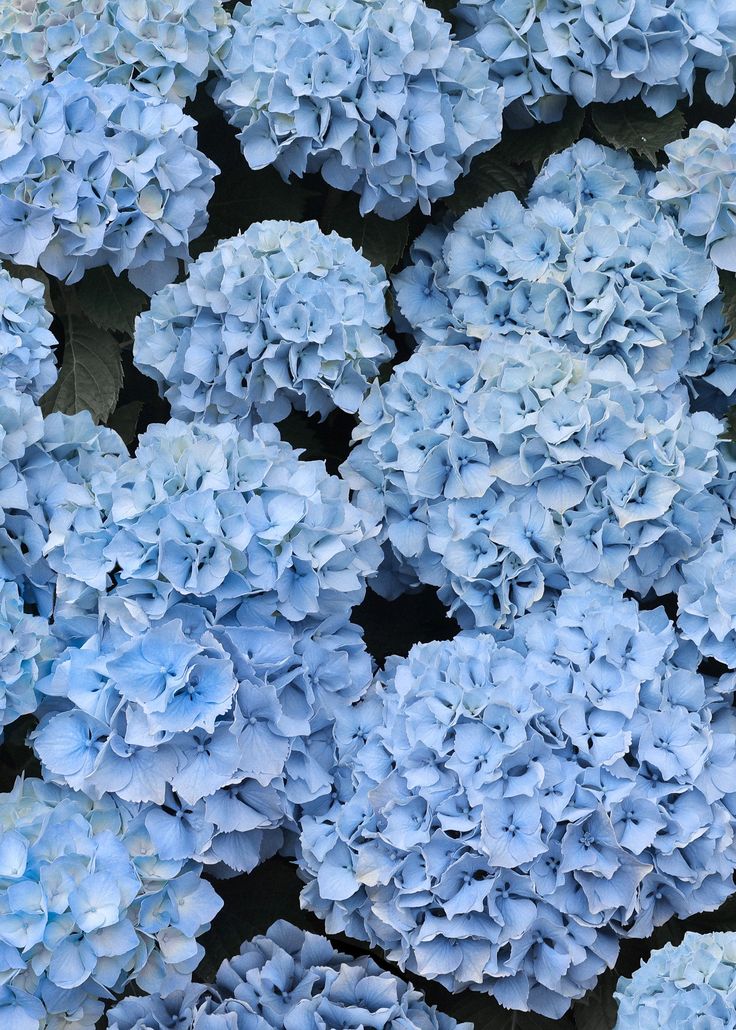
289, 980
226, 724
507, 472
373, 94
706, 600
693, 984
591, 261
543, 53
26, 342
282, 315
26, 650
162, 48
87, 906
94, 176
507, 810
698, 183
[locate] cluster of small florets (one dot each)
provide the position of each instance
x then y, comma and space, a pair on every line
162, 48
87, 906
289, 980
693, 984
504, 472
97, 175
596, 53
374, 95
591, 261
507, 810
698, 184
26, 342
707, 600
26, 650
227, 725
281, 316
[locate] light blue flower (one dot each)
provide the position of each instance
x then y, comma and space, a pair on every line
509, 809
707, 602
26, 651
374, 95
693, 984
26, 342
281, 316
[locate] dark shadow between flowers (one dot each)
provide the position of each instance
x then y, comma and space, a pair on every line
393, 627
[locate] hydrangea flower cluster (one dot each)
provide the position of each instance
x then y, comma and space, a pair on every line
707, 600
226, 725
162, 48
289, 980
373, 94
693, 984
591, 261
505, 472
26, 342
698, 184
280, 316
87, 906
26, 650
506, 810
97, 175
602, 53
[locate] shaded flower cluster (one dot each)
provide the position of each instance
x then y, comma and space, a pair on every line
504, 472
591, 261
86, 906
26, 650
373, 94
693, 984
97, 175
707, 600
602, 52
507, 810
698, 183
162, 48
26, 342
280, 316
225, 725
289, 980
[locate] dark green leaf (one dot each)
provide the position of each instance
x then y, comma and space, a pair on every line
124, 420
534, 145
728, 291
598, 1010
383, 242
634, 126
109, 301
489, 173
91, 373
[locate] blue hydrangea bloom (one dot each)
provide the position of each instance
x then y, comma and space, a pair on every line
26, 650
507, 810
26, 342
227, 724
373, 94
707, 600
698, 184
280, 316
507, 472
289, 980
87, 906
591, 261
691, 985
602, 52
162, 48
97, 175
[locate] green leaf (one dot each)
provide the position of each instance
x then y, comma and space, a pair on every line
91, 373
124, 420
109, 301
598, 1010
489, 173
536, 144
383, 242
634, 126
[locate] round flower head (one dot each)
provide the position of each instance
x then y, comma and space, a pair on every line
97, 175
602, 52
707, 599
162, 48
506, 811
691, 985
86, 906
26, 342
698, 184
289, 980
373, 94
507, 472
281, 316
226, 724
592, 262
26, 650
